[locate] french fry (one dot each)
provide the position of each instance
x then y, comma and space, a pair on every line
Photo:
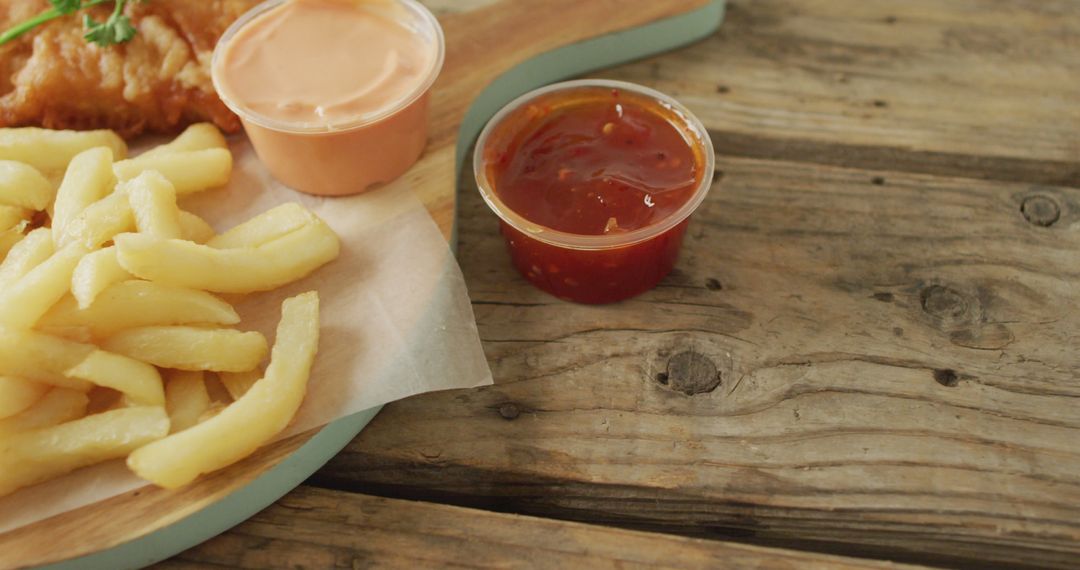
236, 270
56, 406
238, 383
12, 226
24, 302
89, 178
48, 150
190, 348
189, 171
23, 186
35, 248
214, 409
100, 221
11, 216
34, 456
79, 379
251, 421
139, 381
80, 334
17, 394
193, 228
94, 273
265, 227
131, 304
10, 238
153, 203
186, 398
199, 136
45, 358
75, 365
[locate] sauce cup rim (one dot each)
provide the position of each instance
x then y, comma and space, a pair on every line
570, 240
420, 13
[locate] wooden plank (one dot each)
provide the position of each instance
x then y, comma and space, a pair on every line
984, 89
483, 40
896, 352
316, 528
897, 363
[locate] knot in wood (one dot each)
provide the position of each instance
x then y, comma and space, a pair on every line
691, 373
943, 302
509, 411
946, 377
1040, 210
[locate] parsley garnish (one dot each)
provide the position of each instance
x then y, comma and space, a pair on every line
116, 29
66, 6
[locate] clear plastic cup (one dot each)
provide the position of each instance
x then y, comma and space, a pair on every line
593, 268
350, 156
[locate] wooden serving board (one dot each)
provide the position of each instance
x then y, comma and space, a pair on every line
495, 50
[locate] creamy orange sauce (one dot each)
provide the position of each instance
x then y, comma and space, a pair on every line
323, 62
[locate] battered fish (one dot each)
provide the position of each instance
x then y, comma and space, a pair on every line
157, 82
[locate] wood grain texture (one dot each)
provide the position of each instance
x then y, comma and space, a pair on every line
979, 88
898, 377
316, 528
883, 281
478, 49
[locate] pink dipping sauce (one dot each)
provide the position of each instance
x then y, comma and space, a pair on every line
332, 93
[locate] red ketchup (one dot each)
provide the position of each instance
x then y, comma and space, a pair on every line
594, 182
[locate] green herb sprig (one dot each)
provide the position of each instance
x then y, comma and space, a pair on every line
114, 30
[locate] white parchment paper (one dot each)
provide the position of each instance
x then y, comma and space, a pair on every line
396, 319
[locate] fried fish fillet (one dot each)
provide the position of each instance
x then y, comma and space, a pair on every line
157, 82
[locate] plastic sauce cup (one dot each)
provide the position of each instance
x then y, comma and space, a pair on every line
350, 156
592, 268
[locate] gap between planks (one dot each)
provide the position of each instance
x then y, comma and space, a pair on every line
314, 527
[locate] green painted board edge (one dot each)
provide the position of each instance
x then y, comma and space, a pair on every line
569, 61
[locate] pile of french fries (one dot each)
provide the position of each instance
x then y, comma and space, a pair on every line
112, 341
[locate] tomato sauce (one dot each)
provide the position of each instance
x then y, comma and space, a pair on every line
594, 162
596, 167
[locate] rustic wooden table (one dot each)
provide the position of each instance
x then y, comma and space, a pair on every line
869, 347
